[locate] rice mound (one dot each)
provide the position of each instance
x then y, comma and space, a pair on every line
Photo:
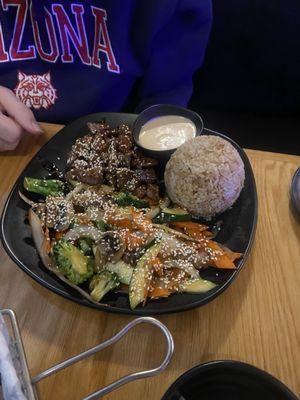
205, 175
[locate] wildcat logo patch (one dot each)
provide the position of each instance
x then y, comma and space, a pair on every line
36, 90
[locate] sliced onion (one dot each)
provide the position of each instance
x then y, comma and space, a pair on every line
184, 266
118, 254
39, 238
103, 189
174, 232
84, 231
164, 203
94, 213
152, 213
77, 189
26, 200
100, 258
170, 241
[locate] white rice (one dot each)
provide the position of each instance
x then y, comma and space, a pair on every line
205, 175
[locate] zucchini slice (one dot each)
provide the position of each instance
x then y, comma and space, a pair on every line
172, 215
123, 270
197, 286
125, 199
141, 277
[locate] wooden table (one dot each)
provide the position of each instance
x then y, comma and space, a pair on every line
256, 320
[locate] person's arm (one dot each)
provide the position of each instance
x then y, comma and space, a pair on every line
177, 50
15, 119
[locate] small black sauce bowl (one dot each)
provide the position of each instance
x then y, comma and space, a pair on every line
227, 380
160, 110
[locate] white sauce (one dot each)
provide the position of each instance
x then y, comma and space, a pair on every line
166, 132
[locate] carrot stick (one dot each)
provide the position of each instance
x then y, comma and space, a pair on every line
59, 235
158, 292
132, 241
223, 262
157, 266
142, 223
222, 259
189, 225
195, 233
119, 221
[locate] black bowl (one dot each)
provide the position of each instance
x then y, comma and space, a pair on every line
227, 380
160, 110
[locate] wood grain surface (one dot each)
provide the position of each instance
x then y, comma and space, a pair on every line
256, 320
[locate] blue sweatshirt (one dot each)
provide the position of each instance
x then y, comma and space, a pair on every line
65, 59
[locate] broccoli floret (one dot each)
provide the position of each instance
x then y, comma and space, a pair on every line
126, 199
103, 283
72, 262
45, 187
101, 225
86, 246
72, 224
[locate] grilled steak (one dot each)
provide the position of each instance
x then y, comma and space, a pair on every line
106, 156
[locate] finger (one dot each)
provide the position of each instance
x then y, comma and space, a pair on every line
16, 109
4, 146
10, 130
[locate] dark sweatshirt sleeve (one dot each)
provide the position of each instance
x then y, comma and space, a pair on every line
177, 50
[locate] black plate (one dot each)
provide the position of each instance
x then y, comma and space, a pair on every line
295, 191
237, 231
227, 380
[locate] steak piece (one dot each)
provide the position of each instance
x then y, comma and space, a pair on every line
82, 171
124, 144
139, 161
100, 144
146, 175
99, 128
124, 176
80, 149
153, 192
140, 191
124, 160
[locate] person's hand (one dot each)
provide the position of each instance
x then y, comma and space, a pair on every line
15, 119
